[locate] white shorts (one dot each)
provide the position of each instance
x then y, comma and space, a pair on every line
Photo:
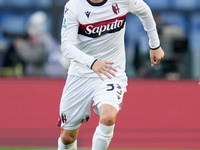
79, 93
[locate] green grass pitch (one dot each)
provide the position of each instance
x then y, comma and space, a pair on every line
85, 149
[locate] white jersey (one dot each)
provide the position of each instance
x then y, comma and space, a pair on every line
93, 31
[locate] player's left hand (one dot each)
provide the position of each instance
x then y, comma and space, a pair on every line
156, 56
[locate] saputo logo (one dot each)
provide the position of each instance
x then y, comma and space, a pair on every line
100, 28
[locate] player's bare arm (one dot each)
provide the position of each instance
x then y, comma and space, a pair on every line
101, 66
156, 56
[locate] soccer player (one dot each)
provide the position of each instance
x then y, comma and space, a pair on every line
92, 38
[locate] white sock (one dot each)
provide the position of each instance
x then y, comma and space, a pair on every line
62, 146
102, 137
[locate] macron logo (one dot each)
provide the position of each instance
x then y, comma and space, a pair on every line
88, 13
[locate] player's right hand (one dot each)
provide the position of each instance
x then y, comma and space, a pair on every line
104, 67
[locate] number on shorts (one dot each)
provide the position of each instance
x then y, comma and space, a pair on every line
111, 87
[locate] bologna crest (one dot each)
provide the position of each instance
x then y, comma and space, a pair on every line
115, 8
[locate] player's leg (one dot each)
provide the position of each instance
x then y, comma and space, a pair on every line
105, 129
74, 110
68, 139
107, 101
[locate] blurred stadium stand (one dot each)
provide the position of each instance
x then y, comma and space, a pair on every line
182, 13
194, 37
175, 18
185, 4
13, 22
26, 4
159, 5
185, 15
20, 3
14, 15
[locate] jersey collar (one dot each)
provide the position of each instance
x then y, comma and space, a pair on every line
97, 4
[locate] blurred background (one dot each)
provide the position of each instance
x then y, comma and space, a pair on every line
157, 113
30, 39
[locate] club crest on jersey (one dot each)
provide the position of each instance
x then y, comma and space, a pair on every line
63, 118
115, 8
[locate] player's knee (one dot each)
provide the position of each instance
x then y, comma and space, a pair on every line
67, 139
108, 119
108, 115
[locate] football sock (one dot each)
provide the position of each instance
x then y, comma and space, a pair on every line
102, 137
62, 146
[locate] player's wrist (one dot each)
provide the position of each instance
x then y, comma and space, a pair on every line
155, 48
93, 63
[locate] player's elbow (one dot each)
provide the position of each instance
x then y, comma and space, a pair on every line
66, 48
